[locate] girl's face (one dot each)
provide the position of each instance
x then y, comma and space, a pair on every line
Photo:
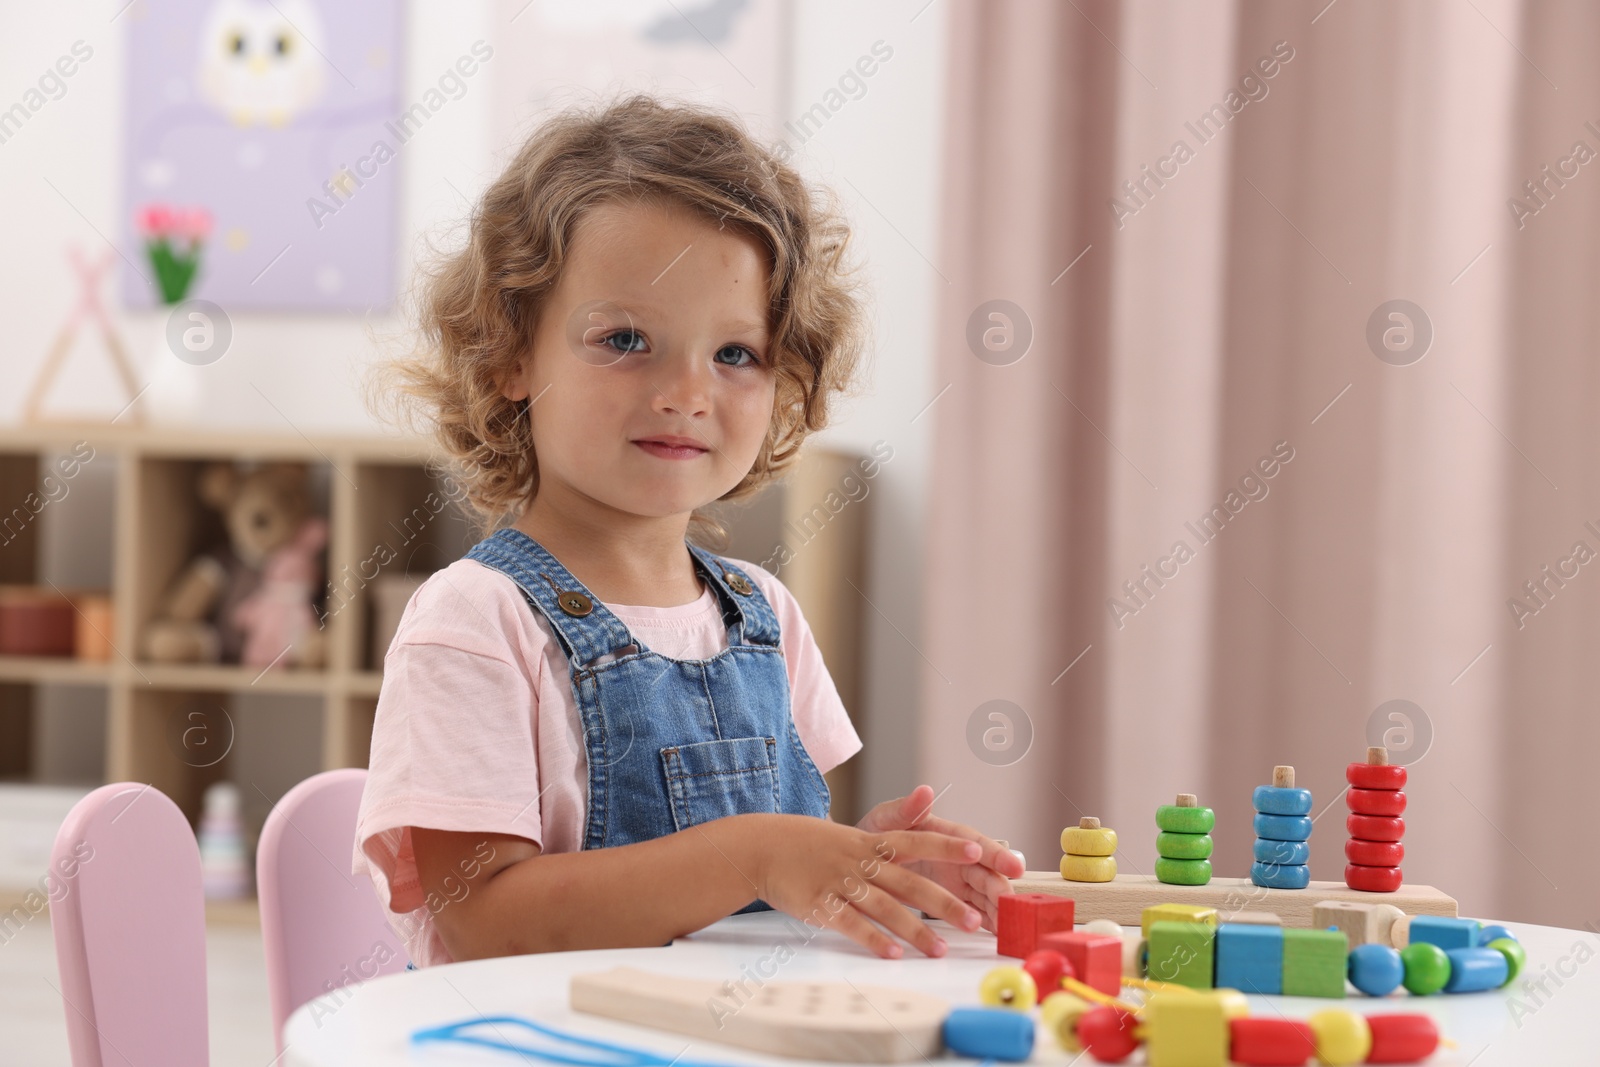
650, 375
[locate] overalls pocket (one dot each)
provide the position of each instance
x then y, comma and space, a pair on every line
712, 779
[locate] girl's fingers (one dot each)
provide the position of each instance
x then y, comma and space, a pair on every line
928, 896
993, 855
901, 922
908, 845
853, 924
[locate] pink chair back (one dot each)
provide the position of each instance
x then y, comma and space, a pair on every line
322, 926
129, 917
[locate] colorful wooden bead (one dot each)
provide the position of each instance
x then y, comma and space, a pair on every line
1250, 958
1361, 922
989, 1033
1182, 872
1274, 800
1343, 1037
1088, 868
1375, 776
1280, 875
1178, 913
1185, 818
1008, 987
1059, 1014
1473, 970
1447, 933
1182, 953
1427, 968
1282, 853
1516, 956
1026, 917
1183, 1029
1047, 968
1314, 963
1270, 1042
1374, 853
1402, 1038
1108, 1033
1283, 827
1086, 840
1376, 970
1183, 846
1103, 926
1494, 932
1400, 932
1095, 958
1375, 827
1376, 801
1372, 879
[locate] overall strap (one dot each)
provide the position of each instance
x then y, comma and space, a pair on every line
587, 630
745, 611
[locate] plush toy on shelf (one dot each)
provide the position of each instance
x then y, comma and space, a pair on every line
251, 600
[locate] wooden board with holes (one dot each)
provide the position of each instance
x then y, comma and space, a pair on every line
808, 1020
1124, 897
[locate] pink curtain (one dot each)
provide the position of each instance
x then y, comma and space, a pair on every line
1213, 365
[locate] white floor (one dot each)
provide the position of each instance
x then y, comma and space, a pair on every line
33, 1019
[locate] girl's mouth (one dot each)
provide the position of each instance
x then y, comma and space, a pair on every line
671, 451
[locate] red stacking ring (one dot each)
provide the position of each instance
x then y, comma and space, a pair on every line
1372, 879
1374, 853
1375, 801
1376, 775
1374, 827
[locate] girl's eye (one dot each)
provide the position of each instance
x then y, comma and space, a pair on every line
738, 352
631, 341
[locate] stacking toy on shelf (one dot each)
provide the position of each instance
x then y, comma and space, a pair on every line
1183, 844
1283, 833
1089, 852
1376, 799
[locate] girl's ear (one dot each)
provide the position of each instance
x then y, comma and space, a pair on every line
512, 383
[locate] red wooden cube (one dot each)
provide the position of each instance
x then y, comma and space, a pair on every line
1095, 958
1026, 917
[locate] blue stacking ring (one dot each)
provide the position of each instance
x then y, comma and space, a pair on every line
1282, 852
1279, 800
1280, 876
1283, 827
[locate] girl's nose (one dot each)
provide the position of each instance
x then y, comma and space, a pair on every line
684, 386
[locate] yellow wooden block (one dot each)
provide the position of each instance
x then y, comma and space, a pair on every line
1186, 1028
1080, 841
1088, 868
1178, 913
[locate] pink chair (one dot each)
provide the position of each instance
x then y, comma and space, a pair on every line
321, 925
128, 913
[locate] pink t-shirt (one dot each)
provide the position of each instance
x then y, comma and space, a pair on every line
477, 729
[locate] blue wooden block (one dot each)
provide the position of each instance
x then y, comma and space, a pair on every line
990, 1033
1250, 958
1475, 969
1280, 875
1444, 932
1283, 827
1278, 800
1376, 970
1280, 852
1493, 932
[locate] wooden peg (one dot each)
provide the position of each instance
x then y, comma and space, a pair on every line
1088, 822
1187, 800
1283, 777
1377, 755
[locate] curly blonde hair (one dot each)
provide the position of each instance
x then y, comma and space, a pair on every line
479, 306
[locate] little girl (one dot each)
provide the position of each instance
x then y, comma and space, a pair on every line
593, 732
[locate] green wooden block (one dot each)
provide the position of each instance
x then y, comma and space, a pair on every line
1183, 953
1314, 963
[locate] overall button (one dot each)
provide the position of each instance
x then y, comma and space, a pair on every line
739, 584
574, 603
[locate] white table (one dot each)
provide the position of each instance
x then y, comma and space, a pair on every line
371, 1023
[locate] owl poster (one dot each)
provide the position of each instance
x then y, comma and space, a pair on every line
274, 120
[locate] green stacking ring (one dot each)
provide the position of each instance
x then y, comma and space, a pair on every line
1183, 846
1183, 872
1176, 820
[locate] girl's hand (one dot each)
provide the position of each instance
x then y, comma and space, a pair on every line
980, 883
829, 874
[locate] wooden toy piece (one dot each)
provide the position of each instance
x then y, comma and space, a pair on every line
1088, 868
1372, 879
1010, 987
1446, 933
1134, 949
1282, 853
1108, 1033
1182, 953
1283, 827
1374, 853
1314, 963
1183, 846
1182, 913
1182, 1029
1343, 1037
1362, 923
806, 1020
1516, 956
1182, 872
1281, 797
1059, 1014
1493, 932
1375, 801
1095, 958
1427, 968
1024, 918
1246, 917
1185, 816
1046, 968
1375, 827
1375, 970
1402, 1038
1473, 970
989, 1033
1377, 772
1270, 1042
1283, 777
1103, 926
1088, 838
1280, 875
1250, 958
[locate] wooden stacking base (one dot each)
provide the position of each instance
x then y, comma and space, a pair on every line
1122, 899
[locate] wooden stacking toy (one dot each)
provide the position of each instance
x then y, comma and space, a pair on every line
1283, 833
1089, 852
1376, 799
1183, 845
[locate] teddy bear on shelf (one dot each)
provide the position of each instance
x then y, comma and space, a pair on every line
252, 600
